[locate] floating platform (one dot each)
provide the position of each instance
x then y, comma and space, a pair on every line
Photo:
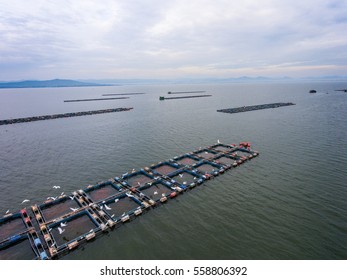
182, 97
94, 99
254, 107
65, 115
61, 224
183, 92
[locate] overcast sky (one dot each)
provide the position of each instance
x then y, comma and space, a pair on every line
81, 39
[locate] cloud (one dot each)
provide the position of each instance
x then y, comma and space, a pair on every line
146, 39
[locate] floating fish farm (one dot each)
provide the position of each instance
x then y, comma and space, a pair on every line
59, 116
254, 108
59, 225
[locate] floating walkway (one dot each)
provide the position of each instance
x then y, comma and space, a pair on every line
59, 116
181, 97
94, 99
253, 108
183, 92
59, 225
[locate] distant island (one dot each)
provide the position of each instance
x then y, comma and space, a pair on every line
48, 83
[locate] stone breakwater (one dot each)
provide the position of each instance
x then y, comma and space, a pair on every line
254, 107
183, 97
59, 116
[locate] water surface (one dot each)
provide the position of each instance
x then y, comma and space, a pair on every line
289, 203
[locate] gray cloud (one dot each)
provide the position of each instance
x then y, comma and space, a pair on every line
163, 39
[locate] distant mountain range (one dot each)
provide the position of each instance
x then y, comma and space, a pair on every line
117, 82
48, 83
244, 79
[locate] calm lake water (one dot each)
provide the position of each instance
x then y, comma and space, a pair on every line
289, 203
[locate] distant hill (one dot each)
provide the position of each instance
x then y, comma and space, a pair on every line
212, 80
48, 83
205, 80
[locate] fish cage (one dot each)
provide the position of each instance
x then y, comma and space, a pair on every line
186, 178
103, 190
186, 160
240, 155
246, 152
11, 225
138, 178
226, 161
54, 209
122, 206
223, 148
208, 168
68, 232
157, 191
164, 168
19, 239
18, 247
206, 154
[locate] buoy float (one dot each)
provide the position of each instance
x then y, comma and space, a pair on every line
173, 194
